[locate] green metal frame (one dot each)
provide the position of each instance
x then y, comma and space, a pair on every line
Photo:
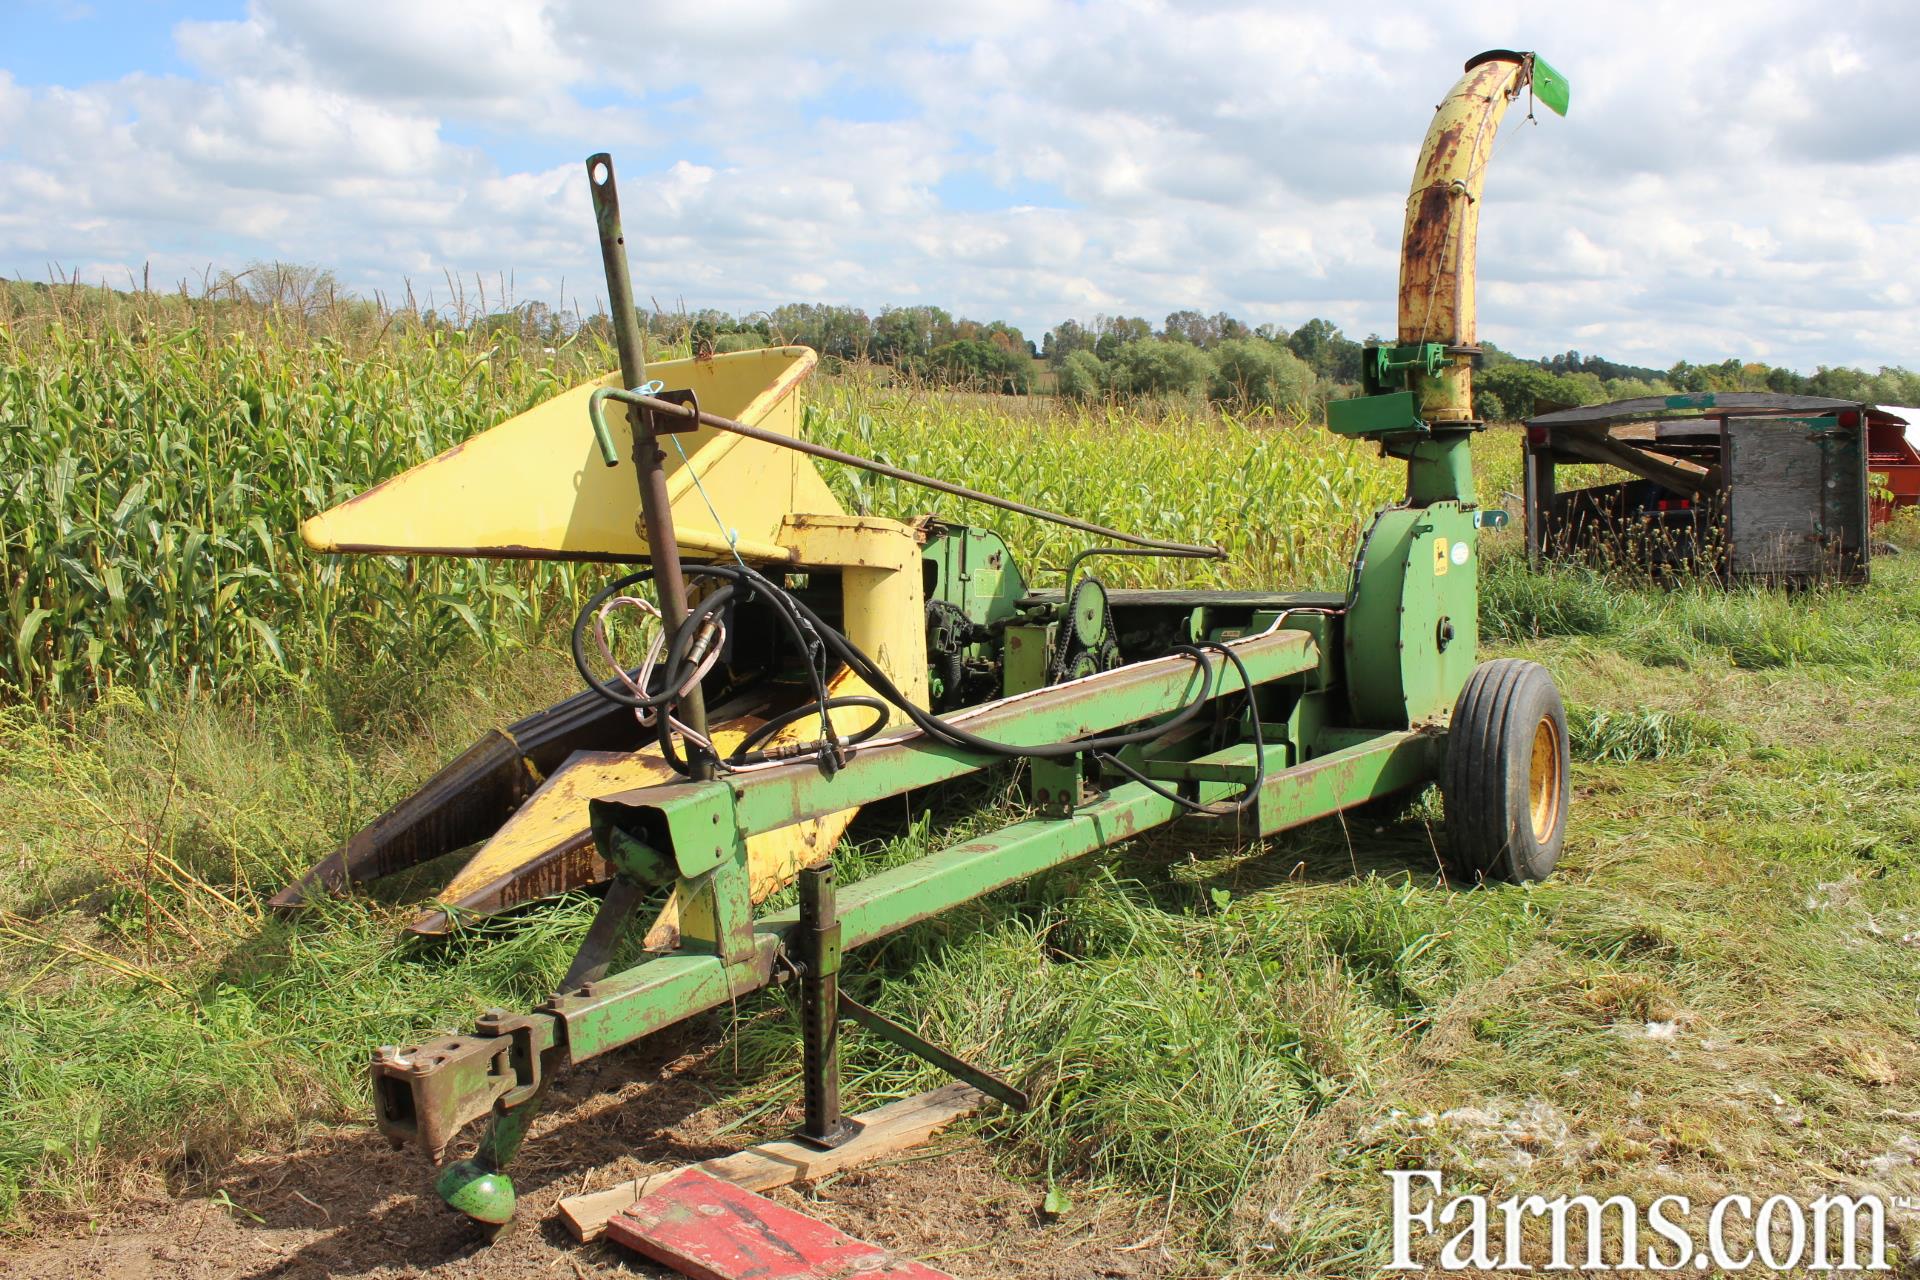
695, 834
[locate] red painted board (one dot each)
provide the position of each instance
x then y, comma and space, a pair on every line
712, 1230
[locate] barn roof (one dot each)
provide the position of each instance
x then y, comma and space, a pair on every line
1697, 404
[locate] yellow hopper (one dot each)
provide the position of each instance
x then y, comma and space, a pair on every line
535, 487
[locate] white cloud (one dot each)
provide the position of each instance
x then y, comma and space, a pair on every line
1732, 181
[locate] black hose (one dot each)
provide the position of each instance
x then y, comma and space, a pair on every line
1242, 802
809, 630
745, 753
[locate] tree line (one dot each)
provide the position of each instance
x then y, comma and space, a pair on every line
1190, 355
1508, 388
1193, 355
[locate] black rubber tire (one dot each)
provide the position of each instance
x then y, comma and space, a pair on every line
1491, 785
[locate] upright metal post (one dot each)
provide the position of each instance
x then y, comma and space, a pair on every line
656, 509
819, 946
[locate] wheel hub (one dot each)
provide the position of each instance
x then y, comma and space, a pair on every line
1543, 780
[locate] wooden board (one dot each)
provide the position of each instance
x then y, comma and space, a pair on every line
1776, 468
883, 1131
714, 1230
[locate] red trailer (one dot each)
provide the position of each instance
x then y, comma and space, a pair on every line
1892, 458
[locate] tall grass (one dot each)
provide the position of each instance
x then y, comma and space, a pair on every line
1696, 620
152, 1011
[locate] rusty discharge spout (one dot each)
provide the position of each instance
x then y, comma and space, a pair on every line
1443, 224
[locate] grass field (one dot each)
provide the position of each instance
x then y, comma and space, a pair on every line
1714, 994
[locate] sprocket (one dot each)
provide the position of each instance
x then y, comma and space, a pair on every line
1084, 643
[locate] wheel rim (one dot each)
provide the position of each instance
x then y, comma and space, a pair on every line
1543, 780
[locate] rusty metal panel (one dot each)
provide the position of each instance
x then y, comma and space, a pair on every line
465, 802
1702, 402
1846, 507
471, 796
712, 1230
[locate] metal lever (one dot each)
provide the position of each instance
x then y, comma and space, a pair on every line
823, 1004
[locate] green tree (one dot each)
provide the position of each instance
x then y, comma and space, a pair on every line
1248, 371
1150, 368
1081, 376
1189, 326
902, 334
1517, 389
1064, 339
842, 333
1114, 332
988, 366
1332, 355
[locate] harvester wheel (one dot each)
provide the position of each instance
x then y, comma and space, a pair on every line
1505, 781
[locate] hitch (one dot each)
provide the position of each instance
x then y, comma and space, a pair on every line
425, 1095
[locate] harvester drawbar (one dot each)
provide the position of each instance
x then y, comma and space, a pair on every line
805, 662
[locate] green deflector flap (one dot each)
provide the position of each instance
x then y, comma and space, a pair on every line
1550, 86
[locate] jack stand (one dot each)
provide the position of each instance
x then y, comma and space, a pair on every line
819, 940
925, 1050
821, 1009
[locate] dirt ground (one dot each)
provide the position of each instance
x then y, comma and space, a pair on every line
342, 1203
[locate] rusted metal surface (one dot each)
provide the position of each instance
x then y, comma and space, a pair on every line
816, 951
1732, 484
469, 800
674, 424
1437, 248
1440, 237
1891, 456
1677, 475
574, 864
1705, 403
428, 1093
713, 1230
465, 802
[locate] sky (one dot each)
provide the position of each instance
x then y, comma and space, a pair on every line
1734, 179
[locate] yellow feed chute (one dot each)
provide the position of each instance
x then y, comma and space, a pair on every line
1443, 218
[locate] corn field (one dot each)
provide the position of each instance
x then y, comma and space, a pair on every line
1284, 498
156, 461
153, 477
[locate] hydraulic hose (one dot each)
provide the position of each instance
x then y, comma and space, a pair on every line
816, 640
